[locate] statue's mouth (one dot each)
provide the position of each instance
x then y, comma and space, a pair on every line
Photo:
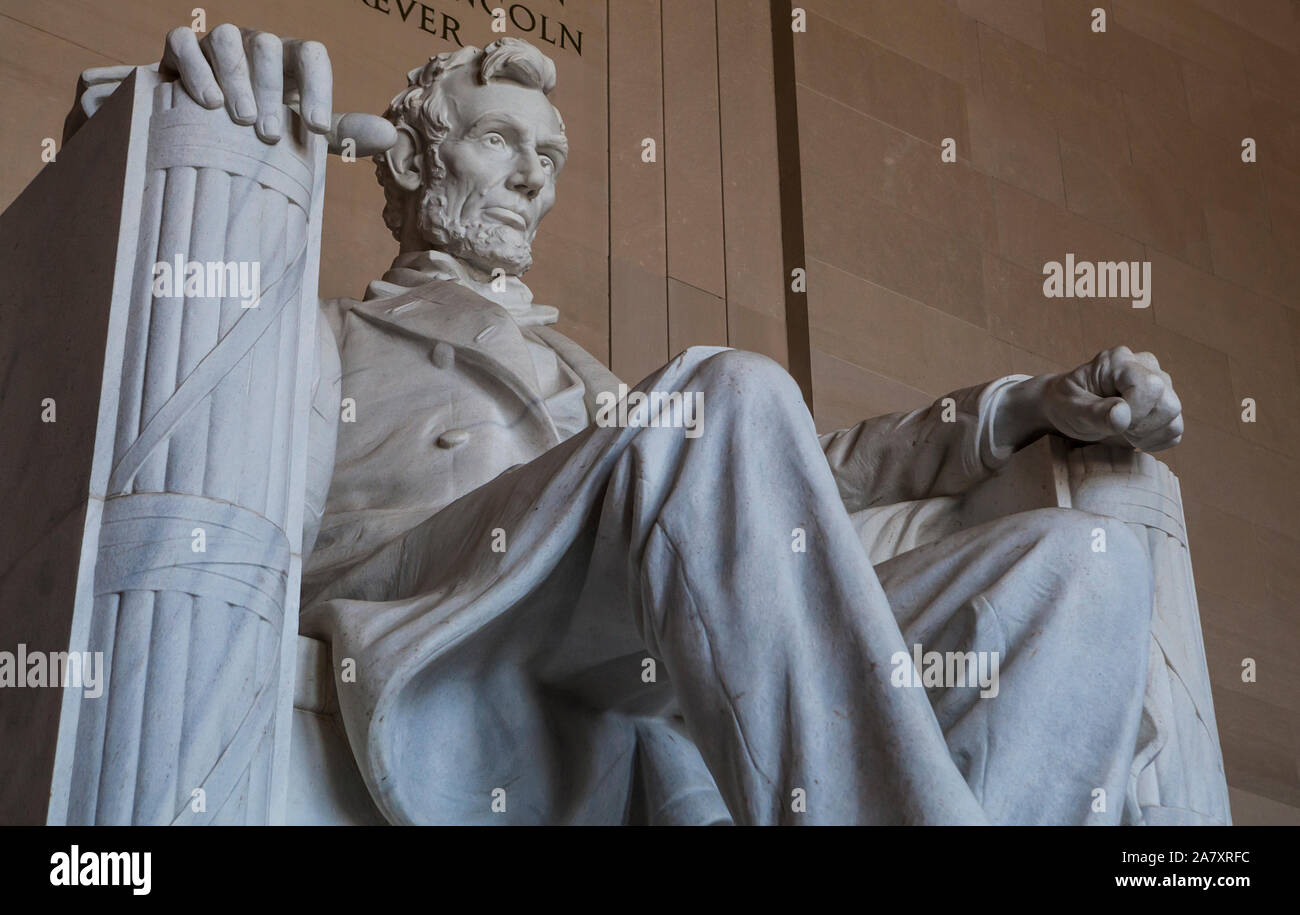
508, 216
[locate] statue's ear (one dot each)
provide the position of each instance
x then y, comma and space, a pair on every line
403, 158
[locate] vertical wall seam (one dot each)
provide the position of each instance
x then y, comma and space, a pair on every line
798, 342
722, 173
609, 197
663, 170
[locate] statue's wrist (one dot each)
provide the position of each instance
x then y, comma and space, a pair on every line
1021, 416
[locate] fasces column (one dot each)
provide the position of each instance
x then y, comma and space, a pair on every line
197, 563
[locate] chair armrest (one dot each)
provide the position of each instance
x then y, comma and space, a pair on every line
1033, 478
1177, 775
1051, 473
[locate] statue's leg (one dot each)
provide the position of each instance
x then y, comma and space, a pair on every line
1064, 599
726, 556
746, 578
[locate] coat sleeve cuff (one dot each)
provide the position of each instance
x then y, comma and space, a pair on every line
988, 450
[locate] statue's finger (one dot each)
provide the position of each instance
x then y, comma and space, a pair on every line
183, 57
1104, 368
1148, 361
224, 47
1167, 408
1127, 372
98, 75
94, 96
266, 55
1141, 387
309, 64
361, 134
1166, 437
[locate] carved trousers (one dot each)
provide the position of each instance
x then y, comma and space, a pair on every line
719, 578
782, 642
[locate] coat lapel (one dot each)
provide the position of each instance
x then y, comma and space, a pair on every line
481, 333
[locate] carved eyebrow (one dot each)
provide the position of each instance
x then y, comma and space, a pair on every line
555, 144
496, 120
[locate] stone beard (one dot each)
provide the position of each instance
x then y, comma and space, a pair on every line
482, 244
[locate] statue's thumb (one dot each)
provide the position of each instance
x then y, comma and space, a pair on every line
361, 135
1110, 416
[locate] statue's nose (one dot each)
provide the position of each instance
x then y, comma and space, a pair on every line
529, 177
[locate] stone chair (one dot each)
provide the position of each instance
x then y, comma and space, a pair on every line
161, 514
1142, 492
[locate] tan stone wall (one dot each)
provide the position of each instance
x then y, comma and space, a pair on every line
694, 235
926, 276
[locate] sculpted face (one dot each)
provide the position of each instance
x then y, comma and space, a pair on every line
504, 150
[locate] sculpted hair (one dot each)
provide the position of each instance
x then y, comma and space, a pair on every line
422, 107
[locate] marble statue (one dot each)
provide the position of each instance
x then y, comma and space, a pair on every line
549, 597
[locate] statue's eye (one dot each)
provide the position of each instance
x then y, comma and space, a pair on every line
495, 140
547, 162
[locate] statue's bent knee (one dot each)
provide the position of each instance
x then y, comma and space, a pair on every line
740, 374
1105, 550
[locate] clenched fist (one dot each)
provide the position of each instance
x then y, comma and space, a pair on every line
1119, 398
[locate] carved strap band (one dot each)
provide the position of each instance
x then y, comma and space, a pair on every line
216, 365
152, 542
149, 543
196, 138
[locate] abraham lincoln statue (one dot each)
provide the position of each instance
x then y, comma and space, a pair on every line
553, 619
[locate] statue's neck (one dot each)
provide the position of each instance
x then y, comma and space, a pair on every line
414, 268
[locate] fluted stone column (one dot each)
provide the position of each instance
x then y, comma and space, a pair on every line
188, 566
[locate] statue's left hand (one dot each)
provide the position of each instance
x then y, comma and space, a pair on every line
1119, 397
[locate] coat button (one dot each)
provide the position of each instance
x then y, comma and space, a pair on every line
453, 438
443, 355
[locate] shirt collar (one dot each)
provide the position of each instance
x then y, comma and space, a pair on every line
415, 268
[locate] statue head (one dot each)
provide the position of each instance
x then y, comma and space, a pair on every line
479, 147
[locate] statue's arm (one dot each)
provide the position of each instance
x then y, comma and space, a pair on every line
1118, 397
940, 450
